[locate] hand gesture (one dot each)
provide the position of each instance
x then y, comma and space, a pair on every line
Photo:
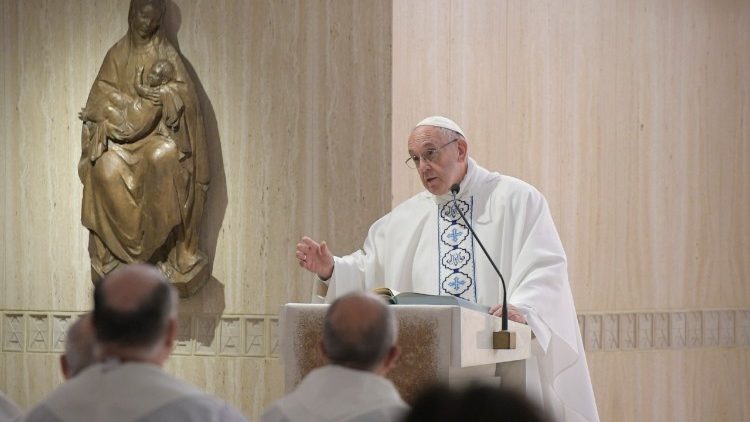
315, 257
513, 313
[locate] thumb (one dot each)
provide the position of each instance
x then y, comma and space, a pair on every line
324, 248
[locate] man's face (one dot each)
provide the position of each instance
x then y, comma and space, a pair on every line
448, 166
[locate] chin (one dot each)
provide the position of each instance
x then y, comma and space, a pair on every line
436, 190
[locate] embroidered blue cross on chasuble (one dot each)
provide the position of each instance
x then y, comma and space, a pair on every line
457, 274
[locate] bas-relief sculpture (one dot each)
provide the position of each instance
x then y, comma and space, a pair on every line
144, 163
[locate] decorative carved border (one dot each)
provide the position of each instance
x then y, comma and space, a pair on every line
257, 336
197, 335
606, 332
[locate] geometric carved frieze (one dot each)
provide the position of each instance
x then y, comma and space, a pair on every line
726, 328
38, 333
231, 337
258, 335
661, 330
710, 328
273, 334
255, 334
693, 329
645, 339
742, 324
60, 324
627, 331
677, 329
593, 330
13, 332
610, 332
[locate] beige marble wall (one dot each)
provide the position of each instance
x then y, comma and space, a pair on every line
632, 118
296, 96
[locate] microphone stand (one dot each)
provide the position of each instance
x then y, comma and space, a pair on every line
503, 339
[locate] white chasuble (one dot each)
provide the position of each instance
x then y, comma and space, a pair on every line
421, 246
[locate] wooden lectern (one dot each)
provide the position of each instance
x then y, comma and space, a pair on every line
438, 342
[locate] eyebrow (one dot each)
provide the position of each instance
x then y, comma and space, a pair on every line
430, 145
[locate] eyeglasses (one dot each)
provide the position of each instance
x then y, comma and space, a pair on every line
428, 156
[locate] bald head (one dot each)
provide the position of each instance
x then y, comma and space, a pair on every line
359, 331
132, 307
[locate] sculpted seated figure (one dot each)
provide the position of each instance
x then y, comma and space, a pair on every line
126, 119
144, 164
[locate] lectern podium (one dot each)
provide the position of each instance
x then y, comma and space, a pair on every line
438, 342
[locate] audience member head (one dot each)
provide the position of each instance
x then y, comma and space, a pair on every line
80, 347
477, 403
360, 332
135, 314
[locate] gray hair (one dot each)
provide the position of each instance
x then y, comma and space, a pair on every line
449, 134
361, 334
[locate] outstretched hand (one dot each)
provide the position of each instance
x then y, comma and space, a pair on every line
315, 257
513, 313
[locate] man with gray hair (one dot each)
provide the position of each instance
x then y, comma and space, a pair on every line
359, 341
135, 324
79, 347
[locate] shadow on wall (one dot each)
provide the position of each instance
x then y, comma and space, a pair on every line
208, 303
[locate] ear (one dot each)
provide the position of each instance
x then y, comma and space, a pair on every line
463, 149
392, 358
65, 367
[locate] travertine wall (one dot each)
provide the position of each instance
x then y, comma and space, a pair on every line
296, 96
632, 118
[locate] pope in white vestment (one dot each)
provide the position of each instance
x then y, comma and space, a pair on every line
423, 246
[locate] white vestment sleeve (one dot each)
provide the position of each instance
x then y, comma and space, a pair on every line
361, 270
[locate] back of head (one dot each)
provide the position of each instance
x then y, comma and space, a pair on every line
79, 347
359, 331
132, 308
478, 403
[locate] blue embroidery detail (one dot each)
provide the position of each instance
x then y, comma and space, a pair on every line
454, 234
457, 283
456, 251
456, 258
448, 211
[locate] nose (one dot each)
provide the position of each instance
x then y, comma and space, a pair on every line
424, 163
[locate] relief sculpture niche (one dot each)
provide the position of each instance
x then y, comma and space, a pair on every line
144, 163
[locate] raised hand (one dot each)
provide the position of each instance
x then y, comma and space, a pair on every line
315, 257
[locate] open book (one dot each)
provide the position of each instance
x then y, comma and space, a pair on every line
411, 298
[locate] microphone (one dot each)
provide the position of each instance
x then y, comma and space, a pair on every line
454, 191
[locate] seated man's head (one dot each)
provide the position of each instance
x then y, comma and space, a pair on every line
360, 332
161, 72
79, 347
135, 314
